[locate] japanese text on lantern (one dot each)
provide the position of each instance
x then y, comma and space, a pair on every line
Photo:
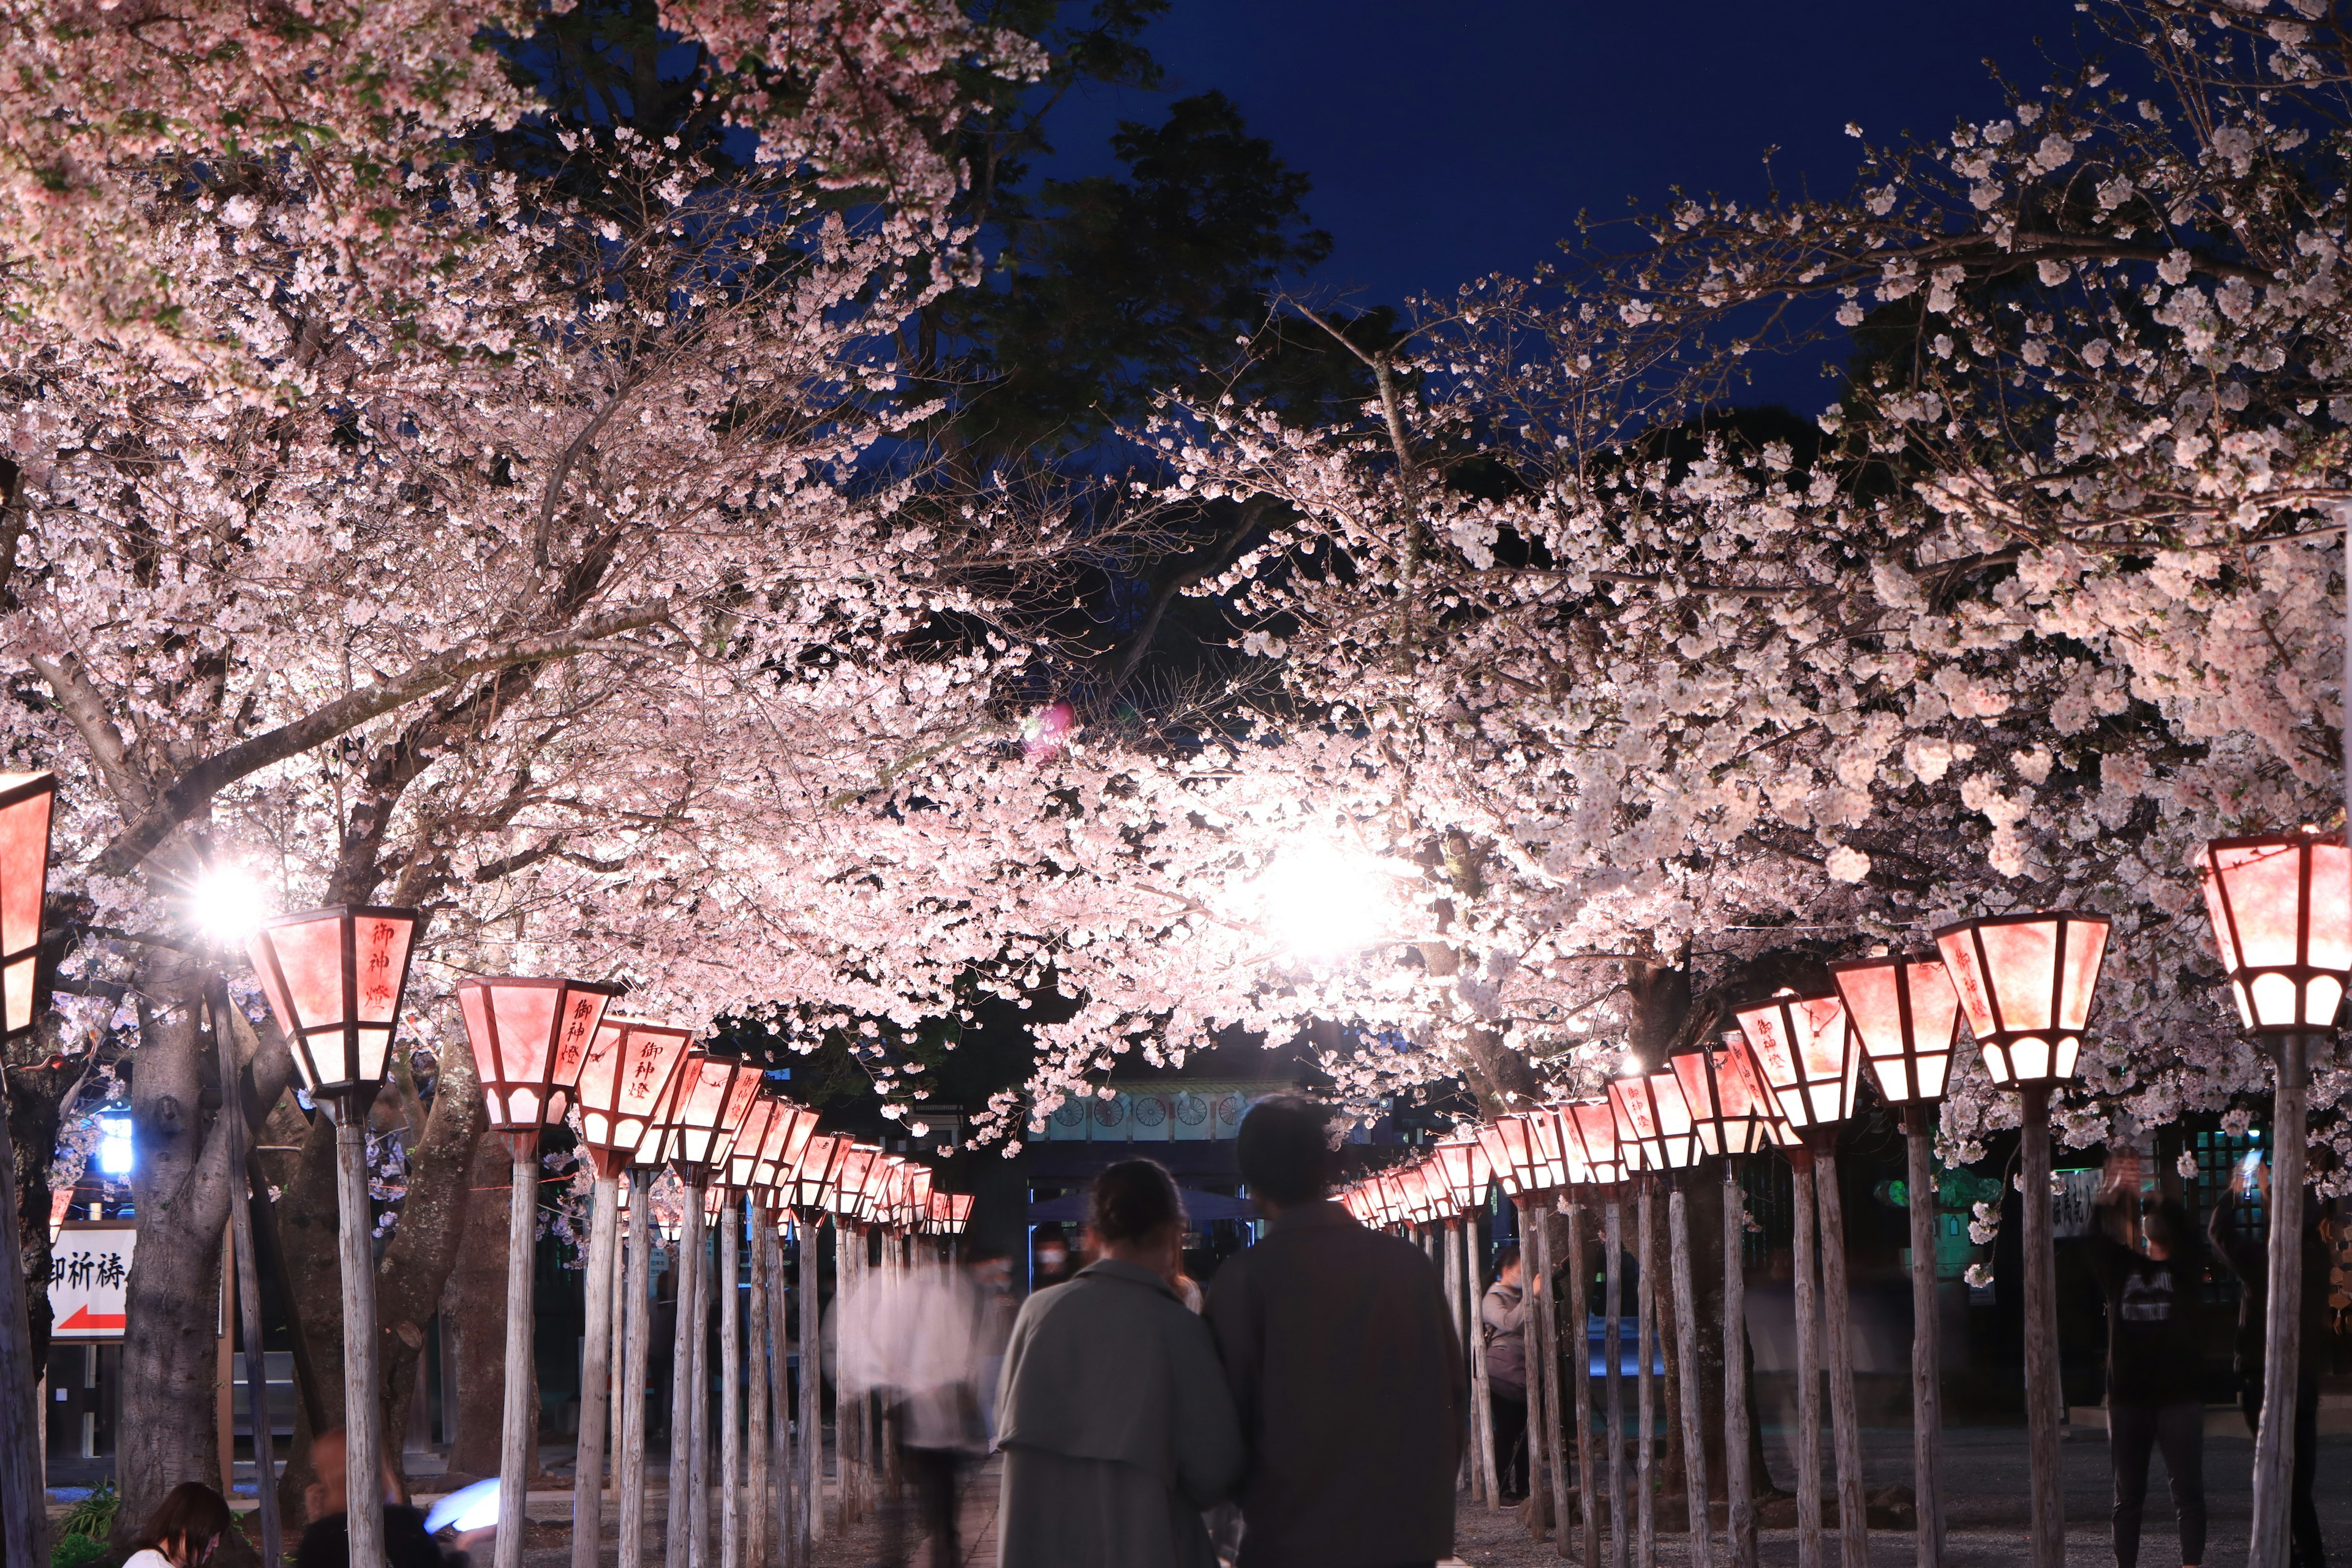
378, 982
575, 1032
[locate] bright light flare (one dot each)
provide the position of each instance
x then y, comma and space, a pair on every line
227, 904
1322, 901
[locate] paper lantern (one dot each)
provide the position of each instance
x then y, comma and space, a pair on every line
743, 1150
2282, 909
529, 1036
1905, 1014
780, 1150
849, 1174
27, 803
707, 1103
1801, 1051
1510, 1145
1653, 1117
1601, 1160
1463, 1165
1730, 1111
624, 1081
812, 1177
335, 977
959, 1212
2025, 983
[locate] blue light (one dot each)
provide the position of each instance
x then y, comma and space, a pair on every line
114, 1151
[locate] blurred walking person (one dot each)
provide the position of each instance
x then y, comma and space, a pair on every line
916, 1338
2153, 1352
1117, 1428
1344, 1364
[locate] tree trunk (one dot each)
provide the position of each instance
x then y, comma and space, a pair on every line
1579, 1388
1845, 1432
517, 1424
478, 1332
681, 1386
595, 1375
636, 1364
1646, 1310
1612, 1357
808, 1280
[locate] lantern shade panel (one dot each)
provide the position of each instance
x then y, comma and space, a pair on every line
2281, 905
1497, 1148
27, 804
334, 978
788, 1133
960, 1211
2025, 983
706, 1105
811, 1177
1804, 1053
530, 1038
1464, 1164
1554, 1149
1511, 1153
625, 1081
744, 1151
1906, 1016
1357, 1205
849, 1173
1592, 1123
1730, 1112
1654, 1118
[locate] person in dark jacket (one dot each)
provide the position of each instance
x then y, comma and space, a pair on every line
2152, 1357
1344, 1367
2250, 1261
326, 1542
1503, 1323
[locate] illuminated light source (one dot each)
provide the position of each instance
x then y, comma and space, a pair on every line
334, 978
1463, 1165
811, 1185
622, 1084
530, 1038
26, 804
707, 1104
1905, 1014
1593, 1124
1510, 1145
1801, 1051
780, 1151
2282, 909
117, 1155
1654, 1119
849, 1177
2025, 983
743, 1150
1321, 902
227, 903
1730, 1111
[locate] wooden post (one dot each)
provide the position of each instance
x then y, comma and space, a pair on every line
225, 1372
595, 1367
617, 1338
1579, 1388
246, 1290
2281, 1305
680, 1538
1926, 1369
1612, 1355
23, 1485
1449, 1263
2041, 1386
1845, 1431
730, 1389
1463, 1265
704, 1285
755, 1386
362, 1418
1740, 1510
515, 1413
1806, 1441
1701, 1551
1646, 1310
811, 1274
845, 1417
636, 1364
783, 1486
1539, 1346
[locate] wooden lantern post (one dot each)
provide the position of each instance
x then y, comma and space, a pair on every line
1459, 1166
2281, 905
2025, 983
622, 1084
335, 977
707, 1103
1906, 1016
1803, 1052
529, 1038
27, 803
810, 1194
1733, 1117
1654, 1114
1593, 1124
776, 1159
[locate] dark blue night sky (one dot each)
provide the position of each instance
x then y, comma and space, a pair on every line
1447, 141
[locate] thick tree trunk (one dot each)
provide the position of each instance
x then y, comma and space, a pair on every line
478, 1331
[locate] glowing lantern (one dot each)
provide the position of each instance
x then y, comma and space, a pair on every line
849, 1173
1592, 1123
1462, 1164
788, 1133
2025, 983
2281, 910
1802, 1052
812, 1177
1729, 1110
706, 1106
959, 1212
1653, 1116
1905, 1014
26, 803
1509, 1142
624, 1081
335, 977
744, 1151
530, 1040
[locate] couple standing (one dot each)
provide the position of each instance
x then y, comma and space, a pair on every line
1320, 1387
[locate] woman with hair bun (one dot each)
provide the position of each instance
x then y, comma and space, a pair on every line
1117, 1429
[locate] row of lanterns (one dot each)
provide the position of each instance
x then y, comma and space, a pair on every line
1789, 1074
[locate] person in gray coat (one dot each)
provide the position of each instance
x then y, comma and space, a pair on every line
1117, 1426
1502, 1320
1344, 1364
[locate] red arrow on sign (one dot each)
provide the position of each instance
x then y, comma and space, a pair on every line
94, 1322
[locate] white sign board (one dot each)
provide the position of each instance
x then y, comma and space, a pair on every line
90, 1264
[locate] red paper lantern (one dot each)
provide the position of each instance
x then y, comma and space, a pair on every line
1905, 1014
1800, 1049
780, 1150
1653, 1117
2026, 982
2282, 909
623, 1082
1600, 1158
335, 977
1730, 1110
1463, 1165
27, 802
812, 1177
706, 1105
530, 1040
1510, 1145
